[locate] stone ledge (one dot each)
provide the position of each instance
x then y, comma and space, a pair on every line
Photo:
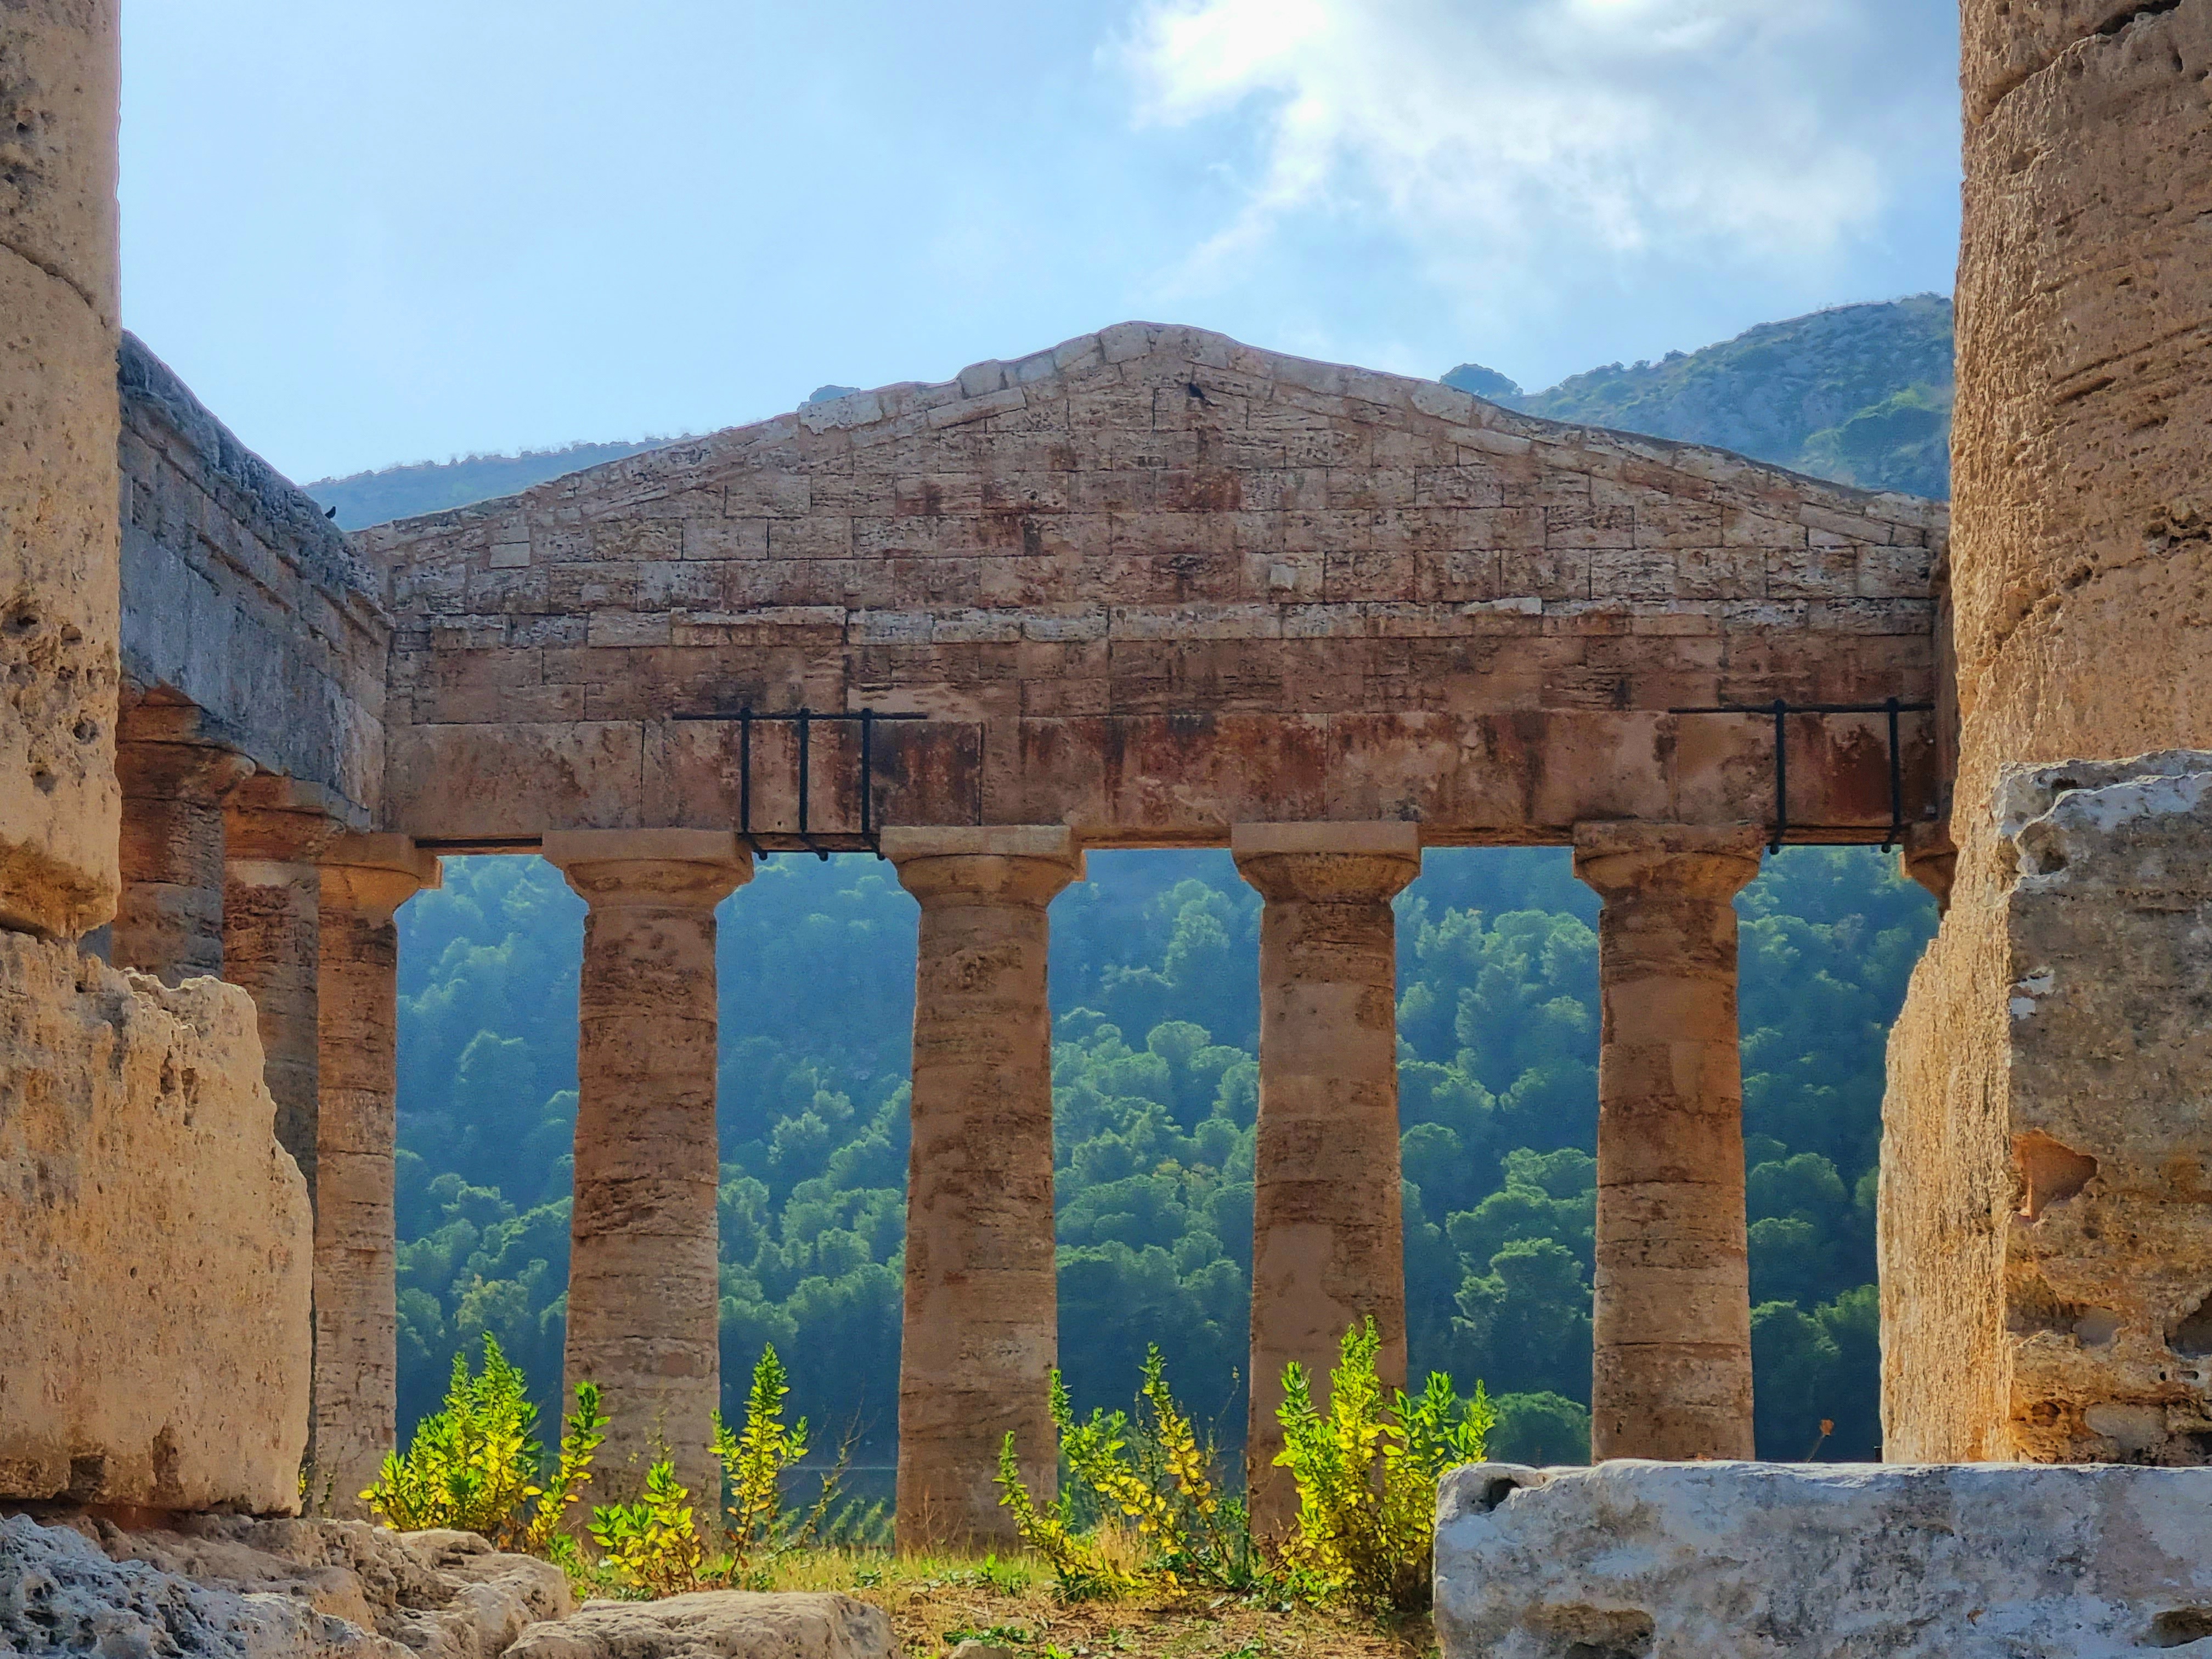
1822, 1561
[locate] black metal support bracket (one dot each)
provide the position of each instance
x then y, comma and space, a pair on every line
1782, 709
870, 839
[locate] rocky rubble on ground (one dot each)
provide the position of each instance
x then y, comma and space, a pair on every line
230, 1587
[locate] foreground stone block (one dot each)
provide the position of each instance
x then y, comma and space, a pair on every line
716, 1624
1837, 1561
154, 1244
2047, 1260
230, 1586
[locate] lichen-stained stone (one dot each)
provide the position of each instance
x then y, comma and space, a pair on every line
1820, 1561
155, 1255
59, 804
1151, 584
2097, 1235
2081, 582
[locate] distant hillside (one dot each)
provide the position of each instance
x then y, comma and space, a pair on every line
1861, 394
401, 492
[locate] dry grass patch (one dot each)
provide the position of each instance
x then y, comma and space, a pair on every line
935, 1603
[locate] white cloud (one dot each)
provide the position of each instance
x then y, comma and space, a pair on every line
1501, 137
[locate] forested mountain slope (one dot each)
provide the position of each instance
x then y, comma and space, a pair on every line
1154, 984
1861, 394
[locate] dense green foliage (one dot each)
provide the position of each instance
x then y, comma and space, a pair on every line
1861, 394
1154, 989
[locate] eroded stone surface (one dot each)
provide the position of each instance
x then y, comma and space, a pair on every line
642, 1285
153, 1262
1671, 1304
980, 1323
716, 1624
58, 540
1329, 1247
1843, 1561
231, 1587
2081, 587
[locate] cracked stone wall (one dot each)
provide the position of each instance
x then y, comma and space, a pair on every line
2082, 588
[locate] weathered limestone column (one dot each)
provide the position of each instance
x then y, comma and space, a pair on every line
981, 1318
1671, 1373
169, 922
643, 1274
365, 880
2081, 587
275, 829
60, 534
1327, 1234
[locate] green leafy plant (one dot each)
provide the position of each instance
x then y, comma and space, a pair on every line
754, 1460
1366, 1470
478, 1466
654, 1544
1145, 1473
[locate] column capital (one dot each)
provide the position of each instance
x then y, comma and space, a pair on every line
991, 864
1626, 859
678, 867
1328, 863
272, 819
202, 774
374, 874
1929, 858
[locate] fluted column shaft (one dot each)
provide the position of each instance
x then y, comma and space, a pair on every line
1671, 1372
643, 1284
982, 1314
365, 880
1328, 1232
275, 828
169, 922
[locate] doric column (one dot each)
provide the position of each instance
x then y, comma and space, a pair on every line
643, 1288
175, 781
365, 880
981, 1318
1671, 1375
1327, 1236
275, 828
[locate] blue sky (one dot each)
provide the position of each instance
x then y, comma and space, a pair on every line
398, 231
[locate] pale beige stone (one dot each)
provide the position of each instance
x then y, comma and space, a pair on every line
1327, 1232
1827, 1561
717, 1624
153, 1262
1671, 1309
365, 880
59, 804
2082, 595
643, 1286
981, 1323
